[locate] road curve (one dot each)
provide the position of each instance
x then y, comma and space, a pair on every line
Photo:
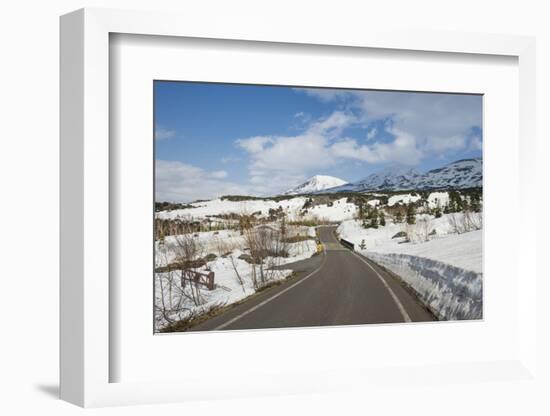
336, 288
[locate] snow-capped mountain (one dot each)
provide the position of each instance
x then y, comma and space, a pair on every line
465, 173
391, 178
315, 184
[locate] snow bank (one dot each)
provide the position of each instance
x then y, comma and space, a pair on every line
460, 250
340, 210
436, 199
452, 292
402, 198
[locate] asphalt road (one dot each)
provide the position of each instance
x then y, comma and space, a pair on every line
337, 287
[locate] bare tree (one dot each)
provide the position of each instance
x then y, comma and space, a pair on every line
424, 228
237, 274
455, 223
267, 246
465, 221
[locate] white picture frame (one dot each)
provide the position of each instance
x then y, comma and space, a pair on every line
86, 355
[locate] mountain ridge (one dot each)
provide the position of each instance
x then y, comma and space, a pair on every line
463, 173
460, 174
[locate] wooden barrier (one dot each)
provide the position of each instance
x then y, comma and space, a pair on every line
205, 279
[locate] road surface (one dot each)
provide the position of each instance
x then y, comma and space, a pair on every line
337, 287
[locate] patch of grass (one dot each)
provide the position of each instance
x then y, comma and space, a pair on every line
298, 238
194, 319
306, 223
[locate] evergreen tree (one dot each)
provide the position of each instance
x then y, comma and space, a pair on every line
363, 245
283, 226
373, 222
411, 214
475, 204
398, 217
373, 219
382, 219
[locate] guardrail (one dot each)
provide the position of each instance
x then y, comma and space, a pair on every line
347, 244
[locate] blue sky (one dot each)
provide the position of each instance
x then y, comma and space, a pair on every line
218, 139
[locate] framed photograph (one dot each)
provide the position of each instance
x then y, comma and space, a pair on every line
312, 204
256, 228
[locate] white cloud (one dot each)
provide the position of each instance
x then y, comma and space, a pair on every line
402, 150
323, 94
218, 174
439, 122
295, 153
475, 143
181, 182
372, 133
278, 162
163, 134
333, 125
254, 144
424, 115
440, 146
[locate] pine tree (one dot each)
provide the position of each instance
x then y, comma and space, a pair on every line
382, 219
283, 226
373, 222
363, 245
437, 210
398, 217
474, 203
411, 214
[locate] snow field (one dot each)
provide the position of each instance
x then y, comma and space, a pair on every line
339, 211
403, 198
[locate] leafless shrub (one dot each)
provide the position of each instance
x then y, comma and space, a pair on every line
188, 249
424, 228
237, 274
466, 221
267, 245
171, 296
472, 220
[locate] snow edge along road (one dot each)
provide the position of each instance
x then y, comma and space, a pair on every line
276, 295
400, 306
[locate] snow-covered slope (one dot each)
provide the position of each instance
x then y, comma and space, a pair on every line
465, 173
338, 210
388, 179
315, 184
